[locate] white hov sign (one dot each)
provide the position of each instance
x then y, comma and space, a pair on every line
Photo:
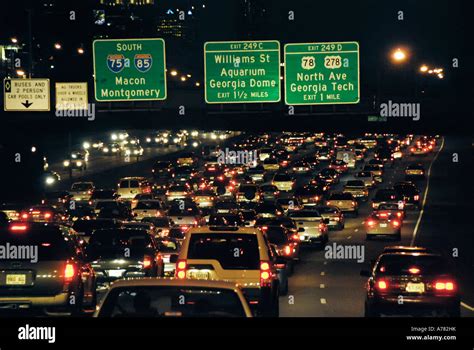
26, 95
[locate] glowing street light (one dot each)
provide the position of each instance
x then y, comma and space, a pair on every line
57, 46
198, 83
183, 78
174, 73
424, 68
80, 51
14, 40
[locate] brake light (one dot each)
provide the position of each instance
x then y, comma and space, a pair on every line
448, 285
146, 262
18, 228
395, 223
295, 237
370, 223
399, 214
412, 149
265, 274
382, 285
69, 272
181, 266
47, 215
416, 197
414, 270
287, 250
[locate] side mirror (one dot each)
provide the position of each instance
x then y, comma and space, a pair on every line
365, 273
173, 258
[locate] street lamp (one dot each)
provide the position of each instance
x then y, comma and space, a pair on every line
80, 51
14, 40
183, 78
174, 73
424, 68
57, 46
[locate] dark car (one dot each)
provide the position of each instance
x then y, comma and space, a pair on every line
85, 227
424, 282
309, 195
268, 209
226, 219
114, 210
55, 279
121, 252
162, 169
409, 193
387, 195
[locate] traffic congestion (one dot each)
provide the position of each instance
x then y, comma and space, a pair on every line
180, 223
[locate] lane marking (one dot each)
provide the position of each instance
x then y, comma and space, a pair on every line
356, 230
322, 286
323, 273
415, 231
323, 301
469, 307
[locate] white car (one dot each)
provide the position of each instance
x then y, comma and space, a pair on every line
81, 191
283, 182
311, 226
147, 208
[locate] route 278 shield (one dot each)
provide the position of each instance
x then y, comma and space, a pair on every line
143, 62
116, 62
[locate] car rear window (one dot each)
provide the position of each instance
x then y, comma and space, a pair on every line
355, 183
340, 196
148, 205
400, 264
134, 184
276, 235
281, 177
304, 214
116, 240
151, 301
81, 187
233, 251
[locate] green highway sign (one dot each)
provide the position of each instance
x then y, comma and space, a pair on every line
129, 70
322, 73
242, 71
376, 118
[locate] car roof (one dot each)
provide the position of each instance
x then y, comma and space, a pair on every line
223, 229
173, 282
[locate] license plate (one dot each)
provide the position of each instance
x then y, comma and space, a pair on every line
200, 275
16, 279
115, 273
383, 225
415, 287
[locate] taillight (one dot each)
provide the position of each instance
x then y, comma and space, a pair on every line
146, 262
370, 223
287, 250
265, 274
444, 285
295, 237
395, 223
399, 214
382, 285
24, 216
416, 197
181, 266
47, 215
69, 272
18, 228
412, 149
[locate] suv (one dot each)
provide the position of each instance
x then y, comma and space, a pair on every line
129, 187
209, 253
51, 281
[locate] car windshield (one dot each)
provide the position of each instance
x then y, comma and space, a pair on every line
355, 183
161, 301
222, 247
110, 241
341, 196
281, 177
304, 214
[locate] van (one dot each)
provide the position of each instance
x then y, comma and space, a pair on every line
129, 187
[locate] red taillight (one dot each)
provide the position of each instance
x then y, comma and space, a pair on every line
370, 223
287, 250
395, 223
399, 214
265, 274
295, 237
416, 197
412, 149
69, 272
18, 228
181, 266
24, 216
47, 215
414, 270
146, 262
382, 285
444, 285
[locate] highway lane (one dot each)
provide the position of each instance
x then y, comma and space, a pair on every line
333, 288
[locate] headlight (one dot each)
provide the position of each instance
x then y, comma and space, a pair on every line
148, 139
195, 144
175, 140
105, 149
49, 180
79, 163
86, 145
114, 136
66, 163
127, 152
165, 140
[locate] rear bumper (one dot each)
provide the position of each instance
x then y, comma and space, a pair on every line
391, 304
61, 299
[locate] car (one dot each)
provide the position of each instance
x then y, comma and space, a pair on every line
226, 219
344, 201
204, 198
249, 216
142, 197
324, 154
357, 188
225, 206
129, 187
110, 209
328, 176
409, 192
162, 225
387, 195
169, 250
339, 165
375, 170
59, 199
424, 281
148, 207
301, 167
309, 195
76, 161
183, 173
383, 223
285, 245
288, 203
271, 164
283, 182
385, 209
111, 148
205, 255
102, 194
185, 216
256, 173
268, 209
414, 172
334, 216
44, 213
134, 150
269, 192
186, 159
178, 192
122, 252
85, 227
162, 169
81, 191
58, 281
164, 297
419, 150
367, 177
248, 193
311, 226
